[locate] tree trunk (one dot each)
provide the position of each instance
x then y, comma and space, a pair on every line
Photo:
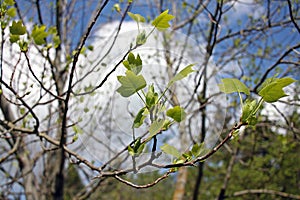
180, 184
22, 156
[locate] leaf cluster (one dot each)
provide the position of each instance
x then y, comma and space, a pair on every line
134, 83
270, 91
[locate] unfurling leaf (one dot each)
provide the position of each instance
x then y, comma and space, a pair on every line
151, 97
248, 110
139, 119
231, 85
137, 148
130, 84
168, 149
177, 113
133, 63
161, 22
136, 17
183, 73
141, 38
272, 89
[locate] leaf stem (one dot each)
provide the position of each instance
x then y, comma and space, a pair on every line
142, 98
258, 105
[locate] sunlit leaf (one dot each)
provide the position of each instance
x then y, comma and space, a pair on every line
272, 89
130, 83
182, 74
248, 108
11, 12
168, 149
117, 7
9, 2
177, 113
137, 148
161, 22
231, 85
39, 34
136, 17
156, 127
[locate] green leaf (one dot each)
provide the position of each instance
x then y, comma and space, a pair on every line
133, 64
39, 34
141, 38
77, 129
252, 121
166, 125
11, 12
177, 113
130, 83
156, 127
9, 2
139, 119
13, 38
75, 137
182, 74
248, 109
117, 7
197, 149
168, 149
56, 41
137, 148
131, 151
161, 22
231, 85
136, 17
23, 45
151, 97
17, 28
272, 89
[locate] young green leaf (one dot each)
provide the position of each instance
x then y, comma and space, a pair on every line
39, 34
137, 148
11, 12
14, 38
177, 113
248, 109
168, 149
17, 28
151, 97
197, 149
136, 17
161, 22
139, 119
156, 127
9, 2
130, 84
272, 89
141, 38
231, 85
182, 74
133, 63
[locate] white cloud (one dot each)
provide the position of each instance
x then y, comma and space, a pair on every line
243, 8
